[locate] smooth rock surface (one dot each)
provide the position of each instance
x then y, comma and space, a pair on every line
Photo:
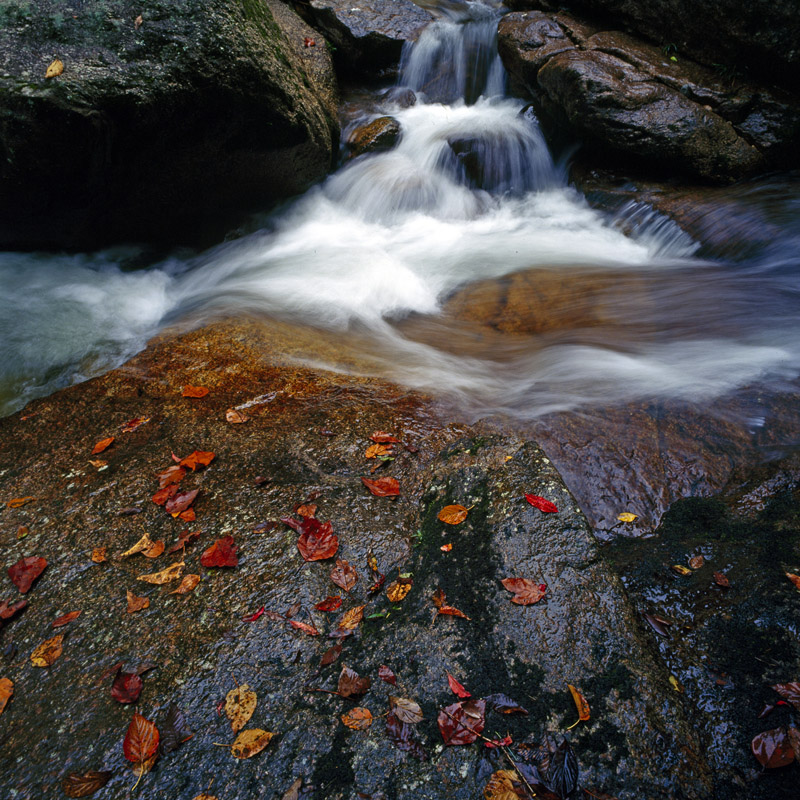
380, 134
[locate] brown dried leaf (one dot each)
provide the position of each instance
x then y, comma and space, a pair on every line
306, 510
236, 417
103, 444
188, 584
331, 655
405, 710
99, 555
6, 691
248, 743
302, 626
453, 515
351, 684
380, 437
240, 703
722, 579
695, 562
343, 575
526, 591
155, 550
85, 784
136, 603
170, 475
165, 576
351, 619
358, 719
501, 786
181, 501
580, 703
65, 619
47, 652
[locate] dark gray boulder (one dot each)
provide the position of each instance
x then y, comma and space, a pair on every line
167, 120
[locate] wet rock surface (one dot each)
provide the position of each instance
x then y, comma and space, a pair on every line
621, 95
166, 122
305, 441
369, 36
380, 134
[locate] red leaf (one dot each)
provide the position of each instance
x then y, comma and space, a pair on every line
386, 675
317, 540
173, 474
329, 604
541, 503
221, 554
382, 487
457, 688
141, 740
790, 692
301, 626
65, 619
460, 723
132, 424
773, 748
127, 687
7, 611
379, 437
26, 571
165, 493
402, 735
504, 742
525, 591
344, 575
180, 502
253, 617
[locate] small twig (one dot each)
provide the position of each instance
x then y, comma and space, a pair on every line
507, 754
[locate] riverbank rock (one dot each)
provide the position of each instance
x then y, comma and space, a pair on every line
368, 36
625, 98
162, 123
282, 437
380, 134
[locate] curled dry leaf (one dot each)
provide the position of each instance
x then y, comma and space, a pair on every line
343, 575
773, 748
65, 619
55, 69
302, 626
143, 544
250, 742
351, 684
580, 703
85, 784
47, 652
382, 487
103, 444
194, 391
457, 688
99, 555
171, 573
442, 607
18, 502
541, 503
525, 591
221, 554
174, 730
155, 550
240, 703
626, 516
199, 458
405, 710
397, 590
453, 515
26, 571
136, 603
137, 23
181, 501
386, 675
236, 417
659, 624
358, 719
6, 691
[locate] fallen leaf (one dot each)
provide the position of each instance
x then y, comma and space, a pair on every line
626, 516
143, 544
442, 607
65, 619
98, 463
99, 555
378, 451
155, 550
194, 391
526, 592
137, 23
6, 691
165, 576
503, 704
331, 655
22, 531
460, 723
293, 792
47, 652
181, 501
236, 417
18, 502
26, 571
501, 786
256, 615
306, 510
773, 748
562, 773
403, 737
452, 515
397, 590
308, 42
405, 710
200, 458
380, 437
543, 505
7, 611
658, 624
329, 604
188, 515
317, 540
170, 475
358, 719
302, 626
386, 675
795, 579
84, 784
141, 741
790, 692
446, 548
382, 487
127, 687
166, 493
351, 619
131, 425
457, 688
136, 603
343, 575
184, 538
695, 562
504, 742
221, 554
55, 69
722, 579
681, 570
580, 703
103, 444
248, 743
187, 585
240, 703
351, 684
174, 730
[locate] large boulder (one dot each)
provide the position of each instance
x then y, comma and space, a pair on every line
624, 97
167, 120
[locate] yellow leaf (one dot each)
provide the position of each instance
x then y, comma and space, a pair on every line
626, 516
248, 743
165, 576
681, 570
145, 543
352, 618
375, 450
55, 69
187, 584
6, 690
453, 515
675, 684
396, 591
358, 719
580, 703
501, 786
240, 703
47, 652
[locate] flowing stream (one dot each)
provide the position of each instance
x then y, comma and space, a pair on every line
460, 262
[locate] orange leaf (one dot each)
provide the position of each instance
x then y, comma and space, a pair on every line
397, 590
580, 703
169, 574
301, 626
194, 391
155, 550
446, 548
187, 584
526, 592
17, 502
379, 437
375, 450
136, 603
382, 487
795, 579
141, 739
188, 516
722, 579
103, 444
306, 510
236, 417
65, 619
47, 652
358, 719
452, 611
452, 515
99, 555
200, 458
351, 619
6, 690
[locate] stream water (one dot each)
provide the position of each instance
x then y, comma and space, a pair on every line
460, 262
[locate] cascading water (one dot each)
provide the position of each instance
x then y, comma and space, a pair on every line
397, 252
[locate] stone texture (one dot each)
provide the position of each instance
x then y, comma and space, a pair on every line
380, 134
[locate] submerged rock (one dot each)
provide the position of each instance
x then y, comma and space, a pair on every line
305, 441
167, 120
380, 134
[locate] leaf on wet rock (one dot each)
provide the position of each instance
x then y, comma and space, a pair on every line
249, 743
165, 494
240, 703
6, 692
795, 579
541, 503
54, 69
695, 562
187, 585
721, 579
773, 748
65, 619
443, 608
658, 624
18, 502
503, 704
351, 619
143, 544
453, 515
382, 487
329, 604
236, 417
103, 444
181, 501
351, 684
141, 741
344, 575
171, 573
378, 451
358, 719
26, 571
461, 723
386, 675
127, 687
174, 730
317, 540
155, 550
85, 784
681, 570
184, 538
331, 655
790, 692
306, 510
132, 424
405, 710
200, 458
47, 652
580, 703
397, 590
403, 737
562, 774
256, 615
99, 555
501, 786
457, 688
626, 516
525, 591
381, 437
8, 610
194, 391
136, 603
302, 626
170, 475
221, 554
